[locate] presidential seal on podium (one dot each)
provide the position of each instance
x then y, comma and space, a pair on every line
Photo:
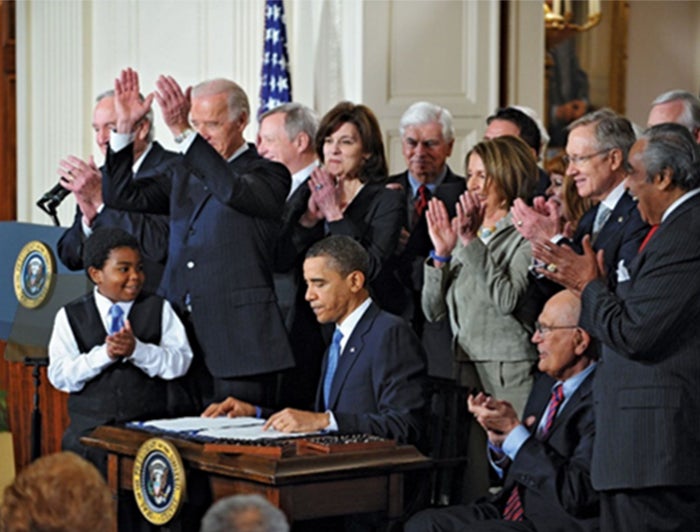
34, 274
158, 480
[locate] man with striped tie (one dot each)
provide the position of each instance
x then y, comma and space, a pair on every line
546, 458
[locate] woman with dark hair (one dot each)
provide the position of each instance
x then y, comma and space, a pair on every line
348, 195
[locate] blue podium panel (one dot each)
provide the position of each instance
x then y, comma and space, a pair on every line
31, 327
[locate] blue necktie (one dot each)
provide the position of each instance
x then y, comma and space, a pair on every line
117, 319
333, 355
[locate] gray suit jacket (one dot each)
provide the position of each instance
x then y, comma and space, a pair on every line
647, 386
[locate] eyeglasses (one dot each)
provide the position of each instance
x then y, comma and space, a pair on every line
544, 329
578, 159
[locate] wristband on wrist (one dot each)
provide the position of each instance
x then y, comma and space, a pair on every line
439, 258
258, 412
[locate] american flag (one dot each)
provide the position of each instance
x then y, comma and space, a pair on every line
276, 85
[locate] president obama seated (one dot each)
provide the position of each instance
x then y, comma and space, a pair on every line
546, 459
373, 372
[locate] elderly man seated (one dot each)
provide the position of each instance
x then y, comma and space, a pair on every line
545, 458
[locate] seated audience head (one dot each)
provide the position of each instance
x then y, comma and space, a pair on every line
544, 134
663, 165
220, 112
565, 349
427, 137
500, 170
287, 134
335, 271
349, 144
60, 492
512, 121
244, 513
113, 263
596, 151
104, 120
678, 107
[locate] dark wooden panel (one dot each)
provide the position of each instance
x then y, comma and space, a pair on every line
8, 106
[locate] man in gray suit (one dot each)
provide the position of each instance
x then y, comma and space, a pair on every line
646, 457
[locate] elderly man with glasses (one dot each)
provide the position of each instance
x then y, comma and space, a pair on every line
596, 154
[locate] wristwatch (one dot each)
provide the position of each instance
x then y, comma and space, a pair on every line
179, 139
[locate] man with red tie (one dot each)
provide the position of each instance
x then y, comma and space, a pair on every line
545, 458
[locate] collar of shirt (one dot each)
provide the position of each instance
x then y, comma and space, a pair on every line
615, 194
570, 386
350, 322
299, 177
431, 186
238, 152
138, 162
104, 304
685, 197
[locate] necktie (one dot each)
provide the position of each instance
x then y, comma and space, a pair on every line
600, 218
333, 356
648, 237
117, 319
421, 201
514, 505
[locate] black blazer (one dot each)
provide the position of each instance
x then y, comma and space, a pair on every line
379, 387
224, 219
554, 474
647, 393
150, 230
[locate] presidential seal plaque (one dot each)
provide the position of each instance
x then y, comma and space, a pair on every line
159, 480
34, 274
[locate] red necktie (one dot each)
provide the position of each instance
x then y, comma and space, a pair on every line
514, 505
421, 202
648, 237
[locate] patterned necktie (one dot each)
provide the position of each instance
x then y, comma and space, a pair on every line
421, 201
514, 505
117, 319
648, 237
600, 218
333, 356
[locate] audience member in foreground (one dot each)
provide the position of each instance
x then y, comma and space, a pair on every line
244, 513
58, 493
645, 454
545, 459
372, 376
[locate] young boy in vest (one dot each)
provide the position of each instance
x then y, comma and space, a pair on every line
114, 348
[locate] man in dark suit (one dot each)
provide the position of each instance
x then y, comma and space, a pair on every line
427, 138
546, 459
84, 179
286, 135
597, 149
646, 458
372, 378
224, 203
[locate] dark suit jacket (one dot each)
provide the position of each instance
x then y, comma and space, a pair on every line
647, 392
620, 237
373, 218
554, 474
150, 230
378, 387
224, 219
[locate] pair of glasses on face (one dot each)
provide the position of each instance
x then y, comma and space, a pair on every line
544, 329
579, 159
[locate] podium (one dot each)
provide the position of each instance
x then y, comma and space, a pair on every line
34, 284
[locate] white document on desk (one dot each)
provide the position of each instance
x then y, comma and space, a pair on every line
230, 428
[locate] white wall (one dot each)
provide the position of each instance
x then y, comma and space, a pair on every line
384, 53
663, 52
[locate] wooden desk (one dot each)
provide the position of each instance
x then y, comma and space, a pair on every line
304, 487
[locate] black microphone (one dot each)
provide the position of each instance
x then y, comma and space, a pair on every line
50, 201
